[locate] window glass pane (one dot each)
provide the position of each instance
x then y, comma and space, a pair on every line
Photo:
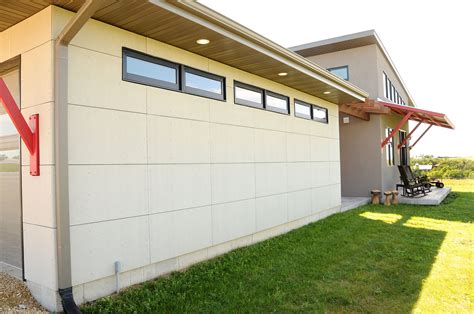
302, 110
319, 114
151, 70
342, 72
204, 83
276, 102
248, 95
390, 148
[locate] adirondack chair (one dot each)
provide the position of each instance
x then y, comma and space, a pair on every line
411, 188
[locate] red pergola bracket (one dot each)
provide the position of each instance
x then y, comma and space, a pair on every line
410, 134
395, 130
28, 133
422, 134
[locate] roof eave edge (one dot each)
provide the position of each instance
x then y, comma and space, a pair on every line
265, 46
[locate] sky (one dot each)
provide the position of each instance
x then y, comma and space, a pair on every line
430, 42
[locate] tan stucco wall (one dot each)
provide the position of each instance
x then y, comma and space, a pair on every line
360, 156
32, 39
390, 174
161, 179
361, 62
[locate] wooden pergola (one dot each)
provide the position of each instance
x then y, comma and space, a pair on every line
363, 110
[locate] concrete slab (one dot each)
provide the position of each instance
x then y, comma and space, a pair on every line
435, 197
348, 203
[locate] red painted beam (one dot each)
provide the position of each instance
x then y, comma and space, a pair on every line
410, 134
29, 134
395, 130
422, 134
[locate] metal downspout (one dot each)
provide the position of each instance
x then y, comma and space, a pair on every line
63, 241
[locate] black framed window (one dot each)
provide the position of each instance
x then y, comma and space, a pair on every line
248, 95
201, 83
303, 110
342, 71
144, 69
311, 112
403, 148
148, 70
320, 114
390, 149
276, 102
390, 92
385, 85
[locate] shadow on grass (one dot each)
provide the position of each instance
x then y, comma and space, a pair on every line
345, 263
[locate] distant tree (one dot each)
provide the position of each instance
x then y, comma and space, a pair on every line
444, 167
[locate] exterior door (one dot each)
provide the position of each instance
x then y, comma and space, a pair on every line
11, 259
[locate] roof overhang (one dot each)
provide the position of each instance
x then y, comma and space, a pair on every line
350, 41
181, 23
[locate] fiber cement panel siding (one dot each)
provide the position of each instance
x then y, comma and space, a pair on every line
163, 174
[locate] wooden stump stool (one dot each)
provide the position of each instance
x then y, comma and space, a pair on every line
394, 197
388, 195
375, 197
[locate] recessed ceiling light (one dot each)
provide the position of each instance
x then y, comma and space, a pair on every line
282, 74
327, 93
203, 41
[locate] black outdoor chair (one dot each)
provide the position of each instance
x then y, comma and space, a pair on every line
411, 188
418, 179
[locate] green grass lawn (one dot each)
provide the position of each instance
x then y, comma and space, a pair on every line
371, 259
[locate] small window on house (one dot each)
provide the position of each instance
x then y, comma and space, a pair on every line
385, 85
276, 102
144, 69
248, 95
201, 83
390, 149
342, 72
320, 114
302, 110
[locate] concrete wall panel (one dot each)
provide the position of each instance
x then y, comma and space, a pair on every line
233, 220
175, 187
106, 192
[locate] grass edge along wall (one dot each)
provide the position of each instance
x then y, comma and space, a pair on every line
133, 149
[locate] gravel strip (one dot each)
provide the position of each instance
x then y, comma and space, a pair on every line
15, 297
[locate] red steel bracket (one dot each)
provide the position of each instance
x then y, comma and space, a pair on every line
410, 134
29, 134
395, 130
422, 134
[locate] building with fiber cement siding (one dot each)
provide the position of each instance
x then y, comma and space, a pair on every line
156, 152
